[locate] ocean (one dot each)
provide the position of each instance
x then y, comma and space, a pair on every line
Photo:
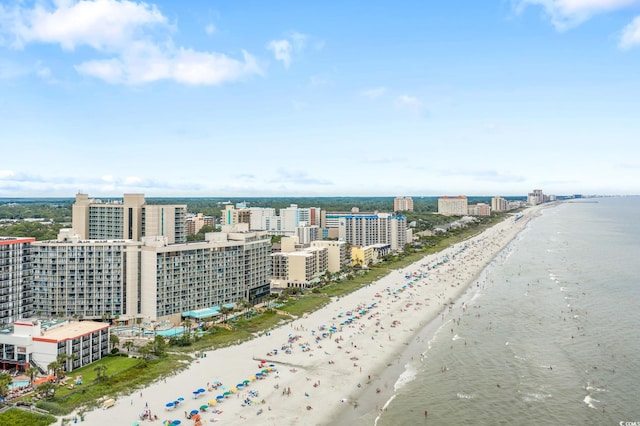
548, 335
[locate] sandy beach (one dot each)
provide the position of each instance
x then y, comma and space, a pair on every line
332, 366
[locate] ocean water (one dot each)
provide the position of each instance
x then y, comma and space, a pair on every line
549, 335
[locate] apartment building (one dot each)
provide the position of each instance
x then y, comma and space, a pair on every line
151, 279
336, 251
302, 269
453, 206
480, 209
88, 279
403, 204
227, 267
499, 204
379, 228
128, 219
16, 298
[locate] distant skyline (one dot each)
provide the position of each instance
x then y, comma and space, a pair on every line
357, 98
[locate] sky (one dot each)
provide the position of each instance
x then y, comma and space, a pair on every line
319, 98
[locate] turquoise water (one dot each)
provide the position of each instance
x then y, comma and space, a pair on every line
550, 336
17, 384
147, 332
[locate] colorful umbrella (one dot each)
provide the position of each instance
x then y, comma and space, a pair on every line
212, 402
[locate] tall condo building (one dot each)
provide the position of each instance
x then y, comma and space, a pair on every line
380, 228
16, 297
403, 204
149, 280
128, 219
453, 206
499, 204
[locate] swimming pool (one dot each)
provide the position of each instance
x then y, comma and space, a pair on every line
19, 383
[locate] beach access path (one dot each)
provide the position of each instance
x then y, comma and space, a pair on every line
328, 362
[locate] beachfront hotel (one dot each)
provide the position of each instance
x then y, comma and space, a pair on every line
368, 229
148, 280
38, 343
301, 268
15, 278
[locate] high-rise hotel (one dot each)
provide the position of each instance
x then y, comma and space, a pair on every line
128, 259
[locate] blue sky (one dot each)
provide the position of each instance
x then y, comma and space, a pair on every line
319, 98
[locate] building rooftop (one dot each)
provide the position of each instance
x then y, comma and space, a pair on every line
72, 330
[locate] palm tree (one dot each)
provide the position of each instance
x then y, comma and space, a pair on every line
101, 371
32, 372
54, 367
128, 345
114, 340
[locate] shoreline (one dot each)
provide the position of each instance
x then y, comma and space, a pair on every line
342, 361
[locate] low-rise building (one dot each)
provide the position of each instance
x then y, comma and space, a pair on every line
39, 342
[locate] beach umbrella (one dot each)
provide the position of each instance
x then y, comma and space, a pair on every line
252, 377
212, 402
233, 389
194, 412
204, 407
246, 382
170, 405
176, 422
265, 371
201, 390
239, 385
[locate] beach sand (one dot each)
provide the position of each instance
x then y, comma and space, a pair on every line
336, 365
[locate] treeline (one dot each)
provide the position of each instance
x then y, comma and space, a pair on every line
39, 231
58, 211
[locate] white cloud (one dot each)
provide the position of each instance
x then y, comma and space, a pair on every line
376, 92
409, 103
285, 49
281, 50
133, 37
631, 34
210, 29
132, 180
565, 14
101, 24
6, 174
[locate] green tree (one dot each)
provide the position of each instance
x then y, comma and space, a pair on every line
128, 345
56, 368
159, 346
114, 340
46, 390
101, 372
5, 381
32, 373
